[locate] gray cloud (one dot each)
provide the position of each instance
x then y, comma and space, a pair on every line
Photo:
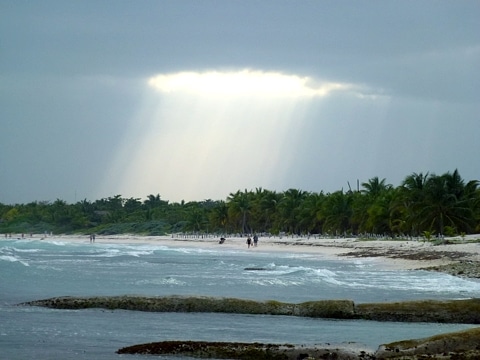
73, 83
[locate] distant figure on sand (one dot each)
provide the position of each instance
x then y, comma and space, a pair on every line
222, 240
249, 242
92, 238
255, 240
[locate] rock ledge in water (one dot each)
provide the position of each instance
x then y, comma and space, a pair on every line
451, 311
243, 351
461, 345
337, 309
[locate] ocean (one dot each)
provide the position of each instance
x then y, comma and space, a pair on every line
39, 269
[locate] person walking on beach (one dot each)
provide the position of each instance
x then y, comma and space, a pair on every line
255, 240
249, 242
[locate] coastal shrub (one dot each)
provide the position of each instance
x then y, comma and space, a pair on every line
179, 226
24, 227
427, 235
450, 231
111, 229
150, 228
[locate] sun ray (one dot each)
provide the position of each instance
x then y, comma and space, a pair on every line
204, 135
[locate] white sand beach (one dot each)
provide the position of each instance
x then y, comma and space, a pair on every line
388, 254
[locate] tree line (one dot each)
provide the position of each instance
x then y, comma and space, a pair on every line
423, 203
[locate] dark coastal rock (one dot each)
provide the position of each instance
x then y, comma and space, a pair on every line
337, 309
462, 345
456, 346
452, 311
243, 351
343, 309
465, 269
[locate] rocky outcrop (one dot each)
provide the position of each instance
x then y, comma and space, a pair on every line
337, 309
243, 351
466, 269
456, 346
452, 311
462, 345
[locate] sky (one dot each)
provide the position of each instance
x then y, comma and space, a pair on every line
194, 100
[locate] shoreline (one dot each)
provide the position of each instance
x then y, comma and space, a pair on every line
456, 256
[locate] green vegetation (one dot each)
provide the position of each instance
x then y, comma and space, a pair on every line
423, 205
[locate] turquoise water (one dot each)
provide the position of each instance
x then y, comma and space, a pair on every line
38, 269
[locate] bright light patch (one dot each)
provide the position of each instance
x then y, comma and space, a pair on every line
201, 135
243, 83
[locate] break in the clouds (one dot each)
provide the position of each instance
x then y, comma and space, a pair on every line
204, 134
252, 83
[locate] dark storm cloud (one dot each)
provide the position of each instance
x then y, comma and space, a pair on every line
73, 76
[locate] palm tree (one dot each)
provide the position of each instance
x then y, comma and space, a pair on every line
154, 201
239, 206
290, 209
360, 206
61, 215
310, 213
196, 216
380, 213
408, 202
374, 187
266, 204
445, 203
337, 212
219, 216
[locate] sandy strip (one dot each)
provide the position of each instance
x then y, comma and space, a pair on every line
387, 254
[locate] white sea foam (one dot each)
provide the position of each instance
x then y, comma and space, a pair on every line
26, 250
114, 252
417, 281
323, 272
58, 243
283, 282
194, 250
12, 258
162, 281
